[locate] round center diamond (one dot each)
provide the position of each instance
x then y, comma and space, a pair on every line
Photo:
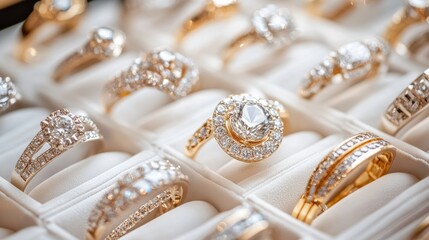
251, 124
61, 5
419, 3
4, 93
63, 127
354, 55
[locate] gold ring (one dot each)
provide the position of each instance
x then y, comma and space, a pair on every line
9, 95
168, 71
61, 130
104, 43
408, 106
351, 165
422, 231
214, 10
271, 25
351, 63
326, 9
247, 128
64, 13
155, 185
415, 12
245, 223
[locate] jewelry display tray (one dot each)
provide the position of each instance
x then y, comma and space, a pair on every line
148, 125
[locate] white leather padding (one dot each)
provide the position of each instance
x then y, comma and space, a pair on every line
76, 174
363, 202
283, 184
34, 232
237, 171
177, 221
418, 135
13, 217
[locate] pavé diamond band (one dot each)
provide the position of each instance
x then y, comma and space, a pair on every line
271, 25
244, 223
415, 12
409, 106
104, 43
214, 10
168, 71
64, 13
61, 130
153, 188
351, 165
351, 63
247, 128
8, 94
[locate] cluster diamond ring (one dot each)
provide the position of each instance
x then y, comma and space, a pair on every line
351, 165
214, 10
410, 105
61, 130
244, 223
8, 94
104, 43
414, 13
168, 71
353, 62
153, 188
271, 25
63, 13
246, 127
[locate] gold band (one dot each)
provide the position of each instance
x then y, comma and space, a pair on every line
364, 156
315, 7
248, 142
411, 14
240, 43
156, 185
409, 106
168, 71
214, 10
47, 11
104, 43
351, 63
62, 130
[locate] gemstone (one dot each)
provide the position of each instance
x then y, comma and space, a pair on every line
103, 33
223, 3
274, 24
61, 5
63, 127
167, 56
353, 55
419, 3
251, 124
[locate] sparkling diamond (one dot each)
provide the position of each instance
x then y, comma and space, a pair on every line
223, 3
353, 55
61, 5
274, 24
252, 123
63, 127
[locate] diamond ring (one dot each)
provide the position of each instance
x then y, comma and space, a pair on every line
8, 94
351, 63
104, 43
351, 165
272, 25
414, 13
155, 185
409, 106
244, 223
247, 128
168, 71
63, 13
61, 130
214, 10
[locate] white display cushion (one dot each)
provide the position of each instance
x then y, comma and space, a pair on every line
4, 232
76, 174
363, 202
177, 221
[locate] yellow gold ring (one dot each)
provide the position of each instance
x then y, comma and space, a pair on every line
64, 13
351, 165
